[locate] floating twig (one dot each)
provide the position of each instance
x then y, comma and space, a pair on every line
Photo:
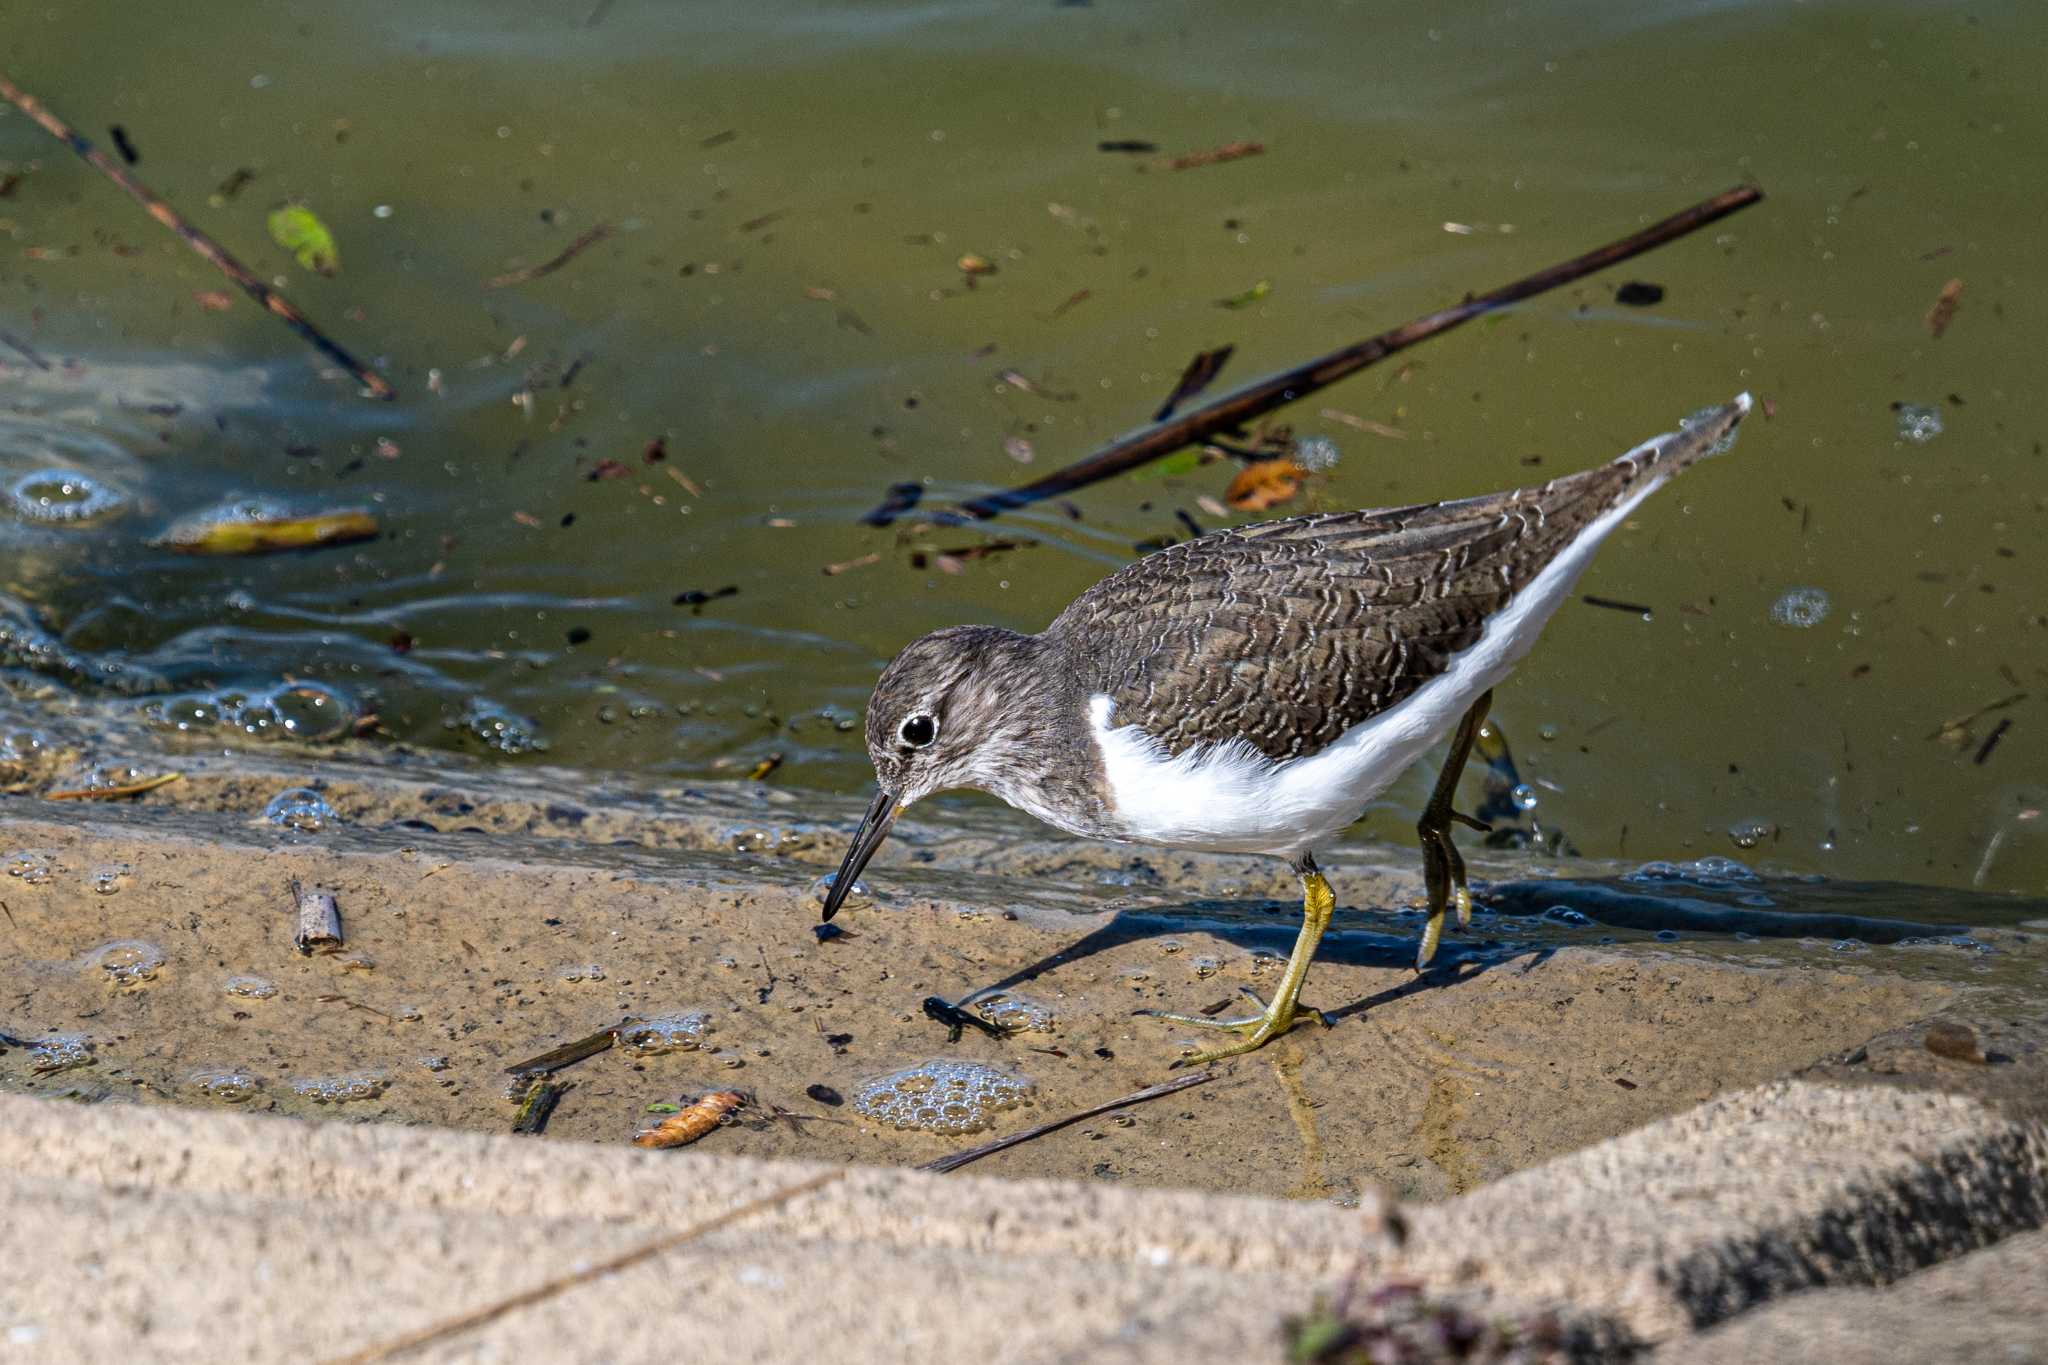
147, 784
1615, 604
1991, 740
374, 384
1200, 374
1229, 151
554, 1059
834, 570
1235, 410
959, 1159
24, 350
538, 1105
319, 920
553, 263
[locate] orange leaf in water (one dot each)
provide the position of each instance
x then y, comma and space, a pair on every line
1264, 484
215, 300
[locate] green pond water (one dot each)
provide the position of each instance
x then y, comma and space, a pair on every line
781, 305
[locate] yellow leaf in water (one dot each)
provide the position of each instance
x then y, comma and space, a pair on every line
298, 230
233, 535
1265, 483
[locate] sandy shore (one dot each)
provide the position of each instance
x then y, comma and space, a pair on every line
490, 916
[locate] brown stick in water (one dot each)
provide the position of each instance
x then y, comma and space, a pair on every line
374, 384
1233, 411
319, 920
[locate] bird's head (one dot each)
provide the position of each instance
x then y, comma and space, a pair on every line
940, 717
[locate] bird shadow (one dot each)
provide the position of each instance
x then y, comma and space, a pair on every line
1254, 924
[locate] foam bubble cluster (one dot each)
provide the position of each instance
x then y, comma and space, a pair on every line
250, 987
1712, 871
1801, 608
665, 1033
941, 1096
307, 711
61, 1052
341, 1089
61, 497
1018, 1013
224, 1084
127, 962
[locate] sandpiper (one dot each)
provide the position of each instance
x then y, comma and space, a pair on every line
1251, 690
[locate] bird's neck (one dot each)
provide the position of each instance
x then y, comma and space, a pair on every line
1039, 755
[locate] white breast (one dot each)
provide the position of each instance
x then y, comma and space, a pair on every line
1229, 797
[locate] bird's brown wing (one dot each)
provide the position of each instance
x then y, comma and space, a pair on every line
1289, 633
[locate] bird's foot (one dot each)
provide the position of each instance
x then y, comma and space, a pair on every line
1257, 1029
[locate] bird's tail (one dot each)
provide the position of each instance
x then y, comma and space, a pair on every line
1706, 433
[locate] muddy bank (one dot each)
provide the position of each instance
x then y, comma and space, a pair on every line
489, 917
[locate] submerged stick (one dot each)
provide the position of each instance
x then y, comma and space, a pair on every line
959, 1159
147, 784
374, 384
553, 263
538, 1105
319, 920
554, 1059
1229, 413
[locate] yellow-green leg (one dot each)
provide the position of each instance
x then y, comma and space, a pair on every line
1318, 903
1443, 871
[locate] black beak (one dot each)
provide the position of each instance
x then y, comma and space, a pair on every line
873, 829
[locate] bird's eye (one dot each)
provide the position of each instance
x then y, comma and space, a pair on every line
919, 731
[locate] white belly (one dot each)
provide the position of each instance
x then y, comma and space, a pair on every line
1231, 798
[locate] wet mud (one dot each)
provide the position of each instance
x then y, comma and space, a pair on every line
489, 917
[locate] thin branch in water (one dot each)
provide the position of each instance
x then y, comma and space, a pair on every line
374, 384
553, 263
1238, 409
959, 1159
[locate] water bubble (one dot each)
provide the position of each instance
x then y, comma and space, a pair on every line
1018, 1013
433, 1061
184, 714
1714, 872
32, 867
343, 1088
680, 1032
580, 971
60, 1052
1750, 833
1171, 945
1265, 960
61, 497
1801, 608
308, 711
223, 1084
857, 895
109, 879
1564, 914
250, 987
127, 962
499, 729
299, 808
1523, 796
1316, 454
1917, 422
1667, 936
941, 1096
1205, 966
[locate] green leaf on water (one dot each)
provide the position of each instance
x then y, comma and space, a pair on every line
298, 230
664, 1108
1180, 462
1248, 297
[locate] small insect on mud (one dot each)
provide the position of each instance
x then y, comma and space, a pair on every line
692, 1121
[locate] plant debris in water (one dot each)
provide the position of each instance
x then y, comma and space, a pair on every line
255, 528
299, 230
1399, 1323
